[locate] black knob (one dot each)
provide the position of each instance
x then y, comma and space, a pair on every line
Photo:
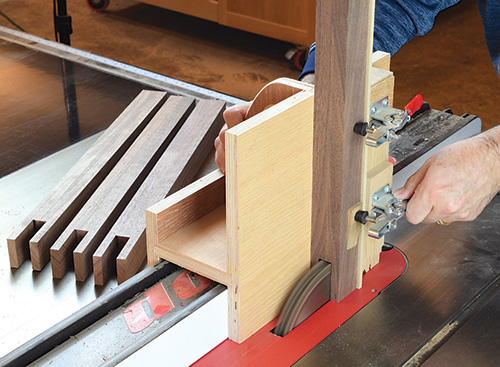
361, 216
360, 128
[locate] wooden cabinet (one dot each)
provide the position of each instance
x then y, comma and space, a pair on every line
287, 20
206, 9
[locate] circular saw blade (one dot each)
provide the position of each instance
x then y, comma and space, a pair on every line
310, 293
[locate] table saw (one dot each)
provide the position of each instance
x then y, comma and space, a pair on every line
430, 282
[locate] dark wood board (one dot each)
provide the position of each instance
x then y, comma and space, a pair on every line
344, 30
82, 236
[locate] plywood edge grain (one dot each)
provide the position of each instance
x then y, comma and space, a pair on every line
381, 60
233, 245
151, 237
193, 264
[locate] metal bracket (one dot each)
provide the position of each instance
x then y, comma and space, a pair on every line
386, 121
387, 210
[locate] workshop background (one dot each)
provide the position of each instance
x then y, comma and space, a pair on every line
449, 265
449, 66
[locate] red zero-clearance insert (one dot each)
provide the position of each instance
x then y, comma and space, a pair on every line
266, 349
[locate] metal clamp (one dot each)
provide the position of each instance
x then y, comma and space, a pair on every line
386, 121
386, 211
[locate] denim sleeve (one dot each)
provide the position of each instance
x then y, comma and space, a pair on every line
396, 23
490, 13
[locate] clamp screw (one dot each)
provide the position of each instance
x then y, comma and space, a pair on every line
361, 128
361, 216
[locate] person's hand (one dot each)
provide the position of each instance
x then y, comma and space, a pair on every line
233, 116
456, 183
308, 78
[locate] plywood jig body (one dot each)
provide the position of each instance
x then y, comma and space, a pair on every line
251, 229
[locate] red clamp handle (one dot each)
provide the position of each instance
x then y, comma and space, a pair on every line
415, 104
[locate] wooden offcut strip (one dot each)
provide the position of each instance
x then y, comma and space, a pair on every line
376, 170
102, 209
381, 60
381, 80
175, 169
344, 31
46, 222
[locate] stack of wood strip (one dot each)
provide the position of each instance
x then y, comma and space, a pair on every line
94, 217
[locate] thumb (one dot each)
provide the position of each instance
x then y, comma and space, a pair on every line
236, 114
